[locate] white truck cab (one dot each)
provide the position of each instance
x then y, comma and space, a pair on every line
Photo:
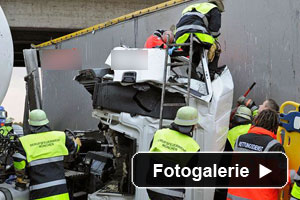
114, 108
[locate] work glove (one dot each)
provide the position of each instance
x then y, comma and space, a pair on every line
77, 141
212, 52
20, 184
170, 51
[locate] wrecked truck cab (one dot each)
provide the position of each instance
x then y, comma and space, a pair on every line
127, 101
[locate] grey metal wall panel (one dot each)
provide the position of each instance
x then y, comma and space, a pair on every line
260, 42
66, 102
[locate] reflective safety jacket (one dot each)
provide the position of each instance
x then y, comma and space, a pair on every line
255, 113
295, 194
168, 140
43, 155
237, 131
202, 19
4, 130
257, 140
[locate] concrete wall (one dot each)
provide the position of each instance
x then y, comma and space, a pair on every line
68, 13
260, 42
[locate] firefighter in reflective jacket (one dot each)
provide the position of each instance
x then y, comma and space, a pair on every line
204, 21
178, 138
260, 138
241, 123
42, 152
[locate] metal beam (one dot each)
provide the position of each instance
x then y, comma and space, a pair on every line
113, 22
31, 64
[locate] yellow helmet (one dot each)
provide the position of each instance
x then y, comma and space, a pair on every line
218, 3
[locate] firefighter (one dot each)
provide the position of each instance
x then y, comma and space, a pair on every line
204, 21
241, 123
42, 153
7, 128
179, 136
262, 134
159, 39
242, 119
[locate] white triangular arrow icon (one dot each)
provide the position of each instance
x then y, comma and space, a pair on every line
263, 171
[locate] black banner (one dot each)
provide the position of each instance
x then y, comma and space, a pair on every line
202, 169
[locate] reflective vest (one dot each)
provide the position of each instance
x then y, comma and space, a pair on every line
295, 194
255, 113
167, 140
4, 130
193, 20
44, 157
237, 131
249, 142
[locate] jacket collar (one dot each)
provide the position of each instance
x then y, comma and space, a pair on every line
186, 130
236, 121
261, 131
39, 129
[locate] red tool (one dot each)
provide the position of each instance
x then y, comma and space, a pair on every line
238, 104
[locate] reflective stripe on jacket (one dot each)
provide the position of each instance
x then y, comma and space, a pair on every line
194, 20
43, 154
252, 194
